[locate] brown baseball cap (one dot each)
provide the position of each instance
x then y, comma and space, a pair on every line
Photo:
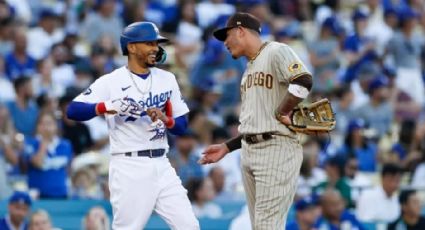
238, 19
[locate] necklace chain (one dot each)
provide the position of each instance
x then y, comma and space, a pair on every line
137, 88
259, 51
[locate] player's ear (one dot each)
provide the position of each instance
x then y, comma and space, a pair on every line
241, 31
131, 47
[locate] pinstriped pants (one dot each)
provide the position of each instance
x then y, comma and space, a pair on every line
269, 171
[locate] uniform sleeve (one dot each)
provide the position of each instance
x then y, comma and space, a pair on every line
96, 92
179, 105
288, 64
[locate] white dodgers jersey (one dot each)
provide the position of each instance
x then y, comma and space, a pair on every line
136, 133
264, 84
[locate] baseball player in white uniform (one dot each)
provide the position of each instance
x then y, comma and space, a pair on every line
140, 103
274, 82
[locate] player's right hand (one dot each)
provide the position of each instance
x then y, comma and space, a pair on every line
213, 153
123, 107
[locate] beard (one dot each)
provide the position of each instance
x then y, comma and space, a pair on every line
144, 61
149, 64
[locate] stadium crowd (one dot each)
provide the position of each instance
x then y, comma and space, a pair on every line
366, 56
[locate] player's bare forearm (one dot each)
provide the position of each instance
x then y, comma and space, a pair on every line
298, 90
288, 103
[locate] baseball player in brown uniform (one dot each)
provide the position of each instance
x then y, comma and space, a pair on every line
274, 82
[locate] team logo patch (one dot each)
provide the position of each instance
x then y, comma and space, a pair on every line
295, 67
158, 128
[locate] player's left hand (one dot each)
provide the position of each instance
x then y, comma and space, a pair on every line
213, 153
284, 119
155, 114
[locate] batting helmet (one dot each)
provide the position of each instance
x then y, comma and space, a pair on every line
140, 32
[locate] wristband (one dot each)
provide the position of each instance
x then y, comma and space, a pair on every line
101, 108
234, 143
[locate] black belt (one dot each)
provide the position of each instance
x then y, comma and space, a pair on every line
152, 153
257, 138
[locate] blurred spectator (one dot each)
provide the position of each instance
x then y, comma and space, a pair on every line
18, 211
216, 65
188, 35
200, 125
76, 132
229, 170
208, 11
43, 83
105, 49
334, 214
377, 28
310, 174
42, 37
49, 157
72, 43
103, 21
99, 133
405, 48
21, 10
307, 213
5, 188
357, 181
405, 108
335, 179
47, 103
99, 61
418, 177
357, 144
6, 33
7, 92
385, 195
341, 105
62, 72
360, 86
184, 157
6, 10
10, 145
209, 102
241, 221
218, 179
391, 18
232, 124
261, 10
40, 220
23, 110
378, 113
201, 193
410, 218
96, 219
83, 77
325, 56
359, 49
85, 176
18, 62
405, 151
7, 136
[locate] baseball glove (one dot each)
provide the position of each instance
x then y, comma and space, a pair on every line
315, 118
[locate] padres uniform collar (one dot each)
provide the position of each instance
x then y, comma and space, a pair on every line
259, 51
